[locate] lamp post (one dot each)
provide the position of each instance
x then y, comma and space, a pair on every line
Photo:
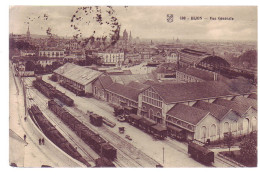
163, 155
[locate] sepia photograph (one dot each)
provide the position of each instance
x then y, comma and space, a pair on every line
133, 86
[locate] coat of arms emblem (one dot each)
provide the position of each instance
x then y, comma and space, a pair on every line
170, 18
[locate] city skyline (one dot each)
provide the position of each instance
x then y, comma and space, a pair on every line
145, 22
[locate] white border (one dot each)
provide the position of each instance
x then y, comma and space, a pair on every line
7, 171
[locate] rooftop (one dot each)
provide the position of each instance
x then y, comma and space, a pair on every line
105, 81
246, 101
126, 79
127, 92
239, 108
216, 110
137, 85
187, 113
202, 74
181, 92
79, 74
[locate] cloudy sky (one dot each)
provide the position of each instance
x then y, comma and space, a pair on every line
143, 21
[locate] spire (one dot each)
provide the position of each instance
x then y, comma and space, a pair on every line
28, 33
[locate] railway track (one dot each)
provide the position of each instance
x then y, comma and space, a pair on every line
128, 155
41, 104
125, 149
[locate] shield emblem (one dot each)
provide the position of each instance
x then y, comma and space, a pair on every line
169, 18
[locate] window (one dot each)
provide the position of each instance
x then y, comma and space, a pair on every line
151, 114
226, 127
213, 132
203, 133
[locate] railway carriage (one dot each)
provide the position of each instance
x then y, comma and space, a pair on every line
176, 133
86, 135
159, 131
53, 134
129, 110
96, 143
133, 119
108, 151
104, 162
146, 124
118, 110
96, 120
199, 152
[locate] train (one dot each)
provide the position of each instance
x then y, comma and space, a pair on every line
53, 134
51, 92
95, 141
147, 126
103, 162
199, 152
96, 120
73, 89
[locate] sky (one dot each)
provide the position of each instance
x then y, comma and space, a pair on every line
144, 21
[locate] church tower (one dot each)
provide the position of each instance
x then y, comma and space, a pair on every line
130, 37
28, 35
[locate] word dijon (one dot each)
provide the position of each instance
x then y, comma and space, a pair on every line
211, 18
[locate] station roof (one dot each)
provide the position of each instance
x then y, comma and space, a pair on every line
79, 74
124, 91
137, 85
246, 101
182, 92
105, 81
126, 79
239, 108
202, 74
216, 110
187, 113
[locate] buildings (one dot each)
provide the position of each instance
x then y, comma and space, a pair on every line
173, 57
25, 53
77, 76
228, 120
201, 110
111, 58
51, 52
192, 74
189, 57
193, 122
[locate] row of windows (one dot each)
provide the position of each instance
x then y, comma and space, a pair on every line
51, 54
118, 99
150, 93
152, 101
178, 122
72, 82
183, 76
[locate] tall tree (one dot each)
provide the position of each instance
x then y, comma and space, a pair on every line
248, 149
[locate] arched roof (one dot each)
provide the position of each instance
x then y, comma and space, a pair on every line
215, 60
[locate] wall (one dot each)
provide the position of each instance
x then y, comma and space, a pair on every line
207, 122
100, 92
231, 117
